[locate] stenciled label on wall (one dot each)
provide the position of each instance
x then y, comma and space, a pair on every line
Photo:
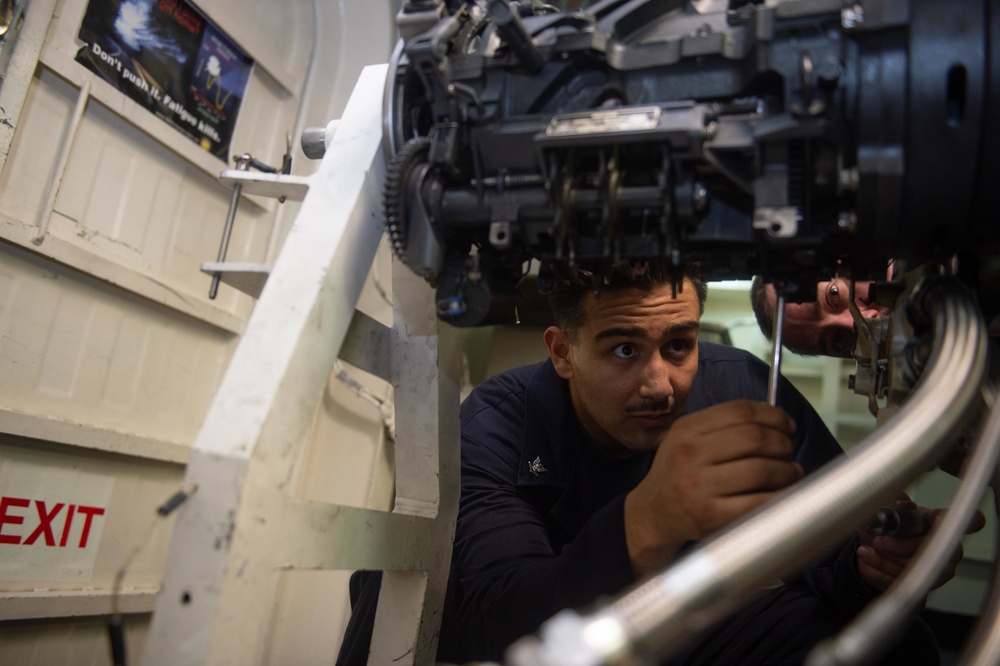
168, 57
51, 521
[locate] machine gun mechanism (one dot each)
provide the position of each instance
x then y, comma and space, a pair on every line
791, 139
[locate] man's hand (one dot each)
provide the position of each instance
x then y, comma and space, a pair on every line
881, 559
711, 468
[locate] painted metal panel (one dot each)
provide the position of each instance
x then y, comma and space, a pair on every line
128, 194
65, 573
271, 30
76, 643
110, 350
75, 350
124, 198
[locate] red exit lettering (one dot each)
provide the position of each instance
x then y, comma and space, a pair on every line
74, 514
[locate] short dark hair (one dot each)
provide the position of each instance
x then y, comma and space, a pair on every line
759, 301
571, 286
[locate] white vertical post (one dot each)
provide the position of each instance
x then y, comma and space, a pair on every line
426, 360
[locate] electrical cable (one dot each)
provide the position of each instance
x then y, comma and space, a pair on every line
384, 404
116, 626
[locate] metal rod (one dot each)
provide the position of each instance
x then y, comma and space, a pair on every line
658, 617
859, 320
45, 212
775, 375
242, 164
983, 648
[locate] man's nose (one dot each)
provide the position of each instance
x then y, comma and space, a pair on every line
656, 378
870, 311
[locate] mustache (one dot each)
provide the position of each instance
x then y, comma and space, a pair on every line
665, 405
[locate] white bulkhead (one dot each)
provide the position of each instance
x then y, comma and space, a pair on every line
110, 347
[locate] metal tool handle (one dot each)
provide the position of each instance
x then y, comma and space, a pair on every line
778, 326
889, 521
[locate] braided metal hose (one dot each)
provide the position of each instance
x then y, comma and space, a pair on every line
872, 631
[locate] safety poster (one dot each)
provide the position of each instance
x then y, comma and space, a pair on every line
167, 56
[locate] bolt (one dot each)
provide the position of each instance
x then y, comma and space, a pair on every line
700, 197
829, 70
852, 18
847, 222
849, 179
740, 16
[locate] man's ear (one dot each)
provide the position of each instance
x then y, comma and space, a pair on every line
560, 351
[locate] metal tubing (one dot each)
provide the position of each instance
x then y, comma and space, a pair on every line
658, 617
45, 212
874, 629
983, 648
242, 164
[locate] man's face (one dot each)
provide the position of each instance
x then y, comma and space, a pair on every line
826, 327
631, 365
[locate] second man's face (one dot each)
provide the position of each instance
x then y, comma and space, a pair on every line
826, 327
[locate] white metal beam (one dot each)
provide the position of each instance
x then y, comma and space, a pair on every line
244, 525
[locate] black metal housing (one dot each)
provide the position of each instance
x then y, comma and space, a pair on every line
793, 141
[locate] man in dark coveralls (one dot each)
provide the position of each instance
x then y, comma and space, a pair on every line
593, 469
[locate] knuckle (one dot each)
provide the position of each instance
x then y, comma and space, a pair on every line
772, 474
706, 517
689, 486
756, 434
747, 410
684, 453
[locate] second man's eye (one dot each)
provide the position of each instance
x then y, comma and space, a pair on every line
625, 350
836, 297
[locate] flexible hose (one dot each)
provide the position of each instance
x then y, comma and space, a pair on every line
872, 631
657, 618
983, 648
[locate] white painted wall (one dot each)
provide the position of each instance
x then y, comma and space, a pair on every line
110, 348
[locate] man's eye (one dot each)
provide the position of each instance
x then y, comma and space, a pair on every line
834, 292
678, 346
624, 350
